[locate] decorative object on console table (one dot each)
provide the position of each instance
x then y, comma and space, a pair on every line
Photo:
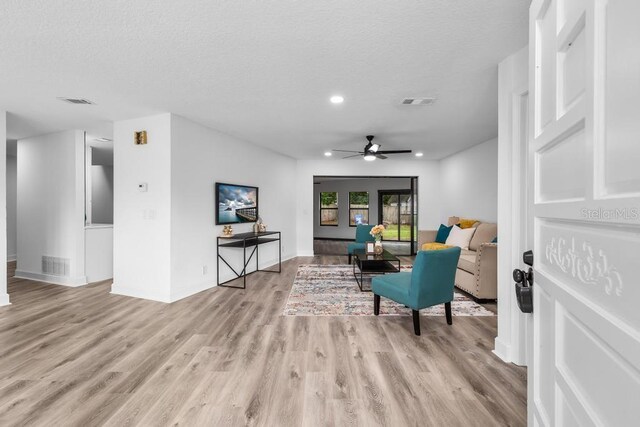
227, 231
377, 232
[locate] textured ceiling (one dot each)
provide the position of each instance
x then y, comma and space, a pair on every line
264, 71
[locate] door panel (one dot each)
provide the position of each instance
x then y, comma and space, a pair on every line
621, 85
584, 90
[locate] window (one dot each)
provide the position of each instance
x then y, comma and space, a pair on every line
329, 208
358, 208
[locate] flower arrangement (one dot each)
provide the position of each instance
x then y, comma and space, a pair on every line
377, 231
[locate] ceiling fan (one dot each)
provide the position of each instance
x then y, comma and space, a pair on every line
372, 151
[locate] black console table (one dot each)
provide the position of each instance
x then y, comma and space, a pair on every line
244, 241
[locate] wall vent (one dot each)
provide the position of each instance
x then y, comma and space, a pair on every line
418, 101
55, 266
77, 101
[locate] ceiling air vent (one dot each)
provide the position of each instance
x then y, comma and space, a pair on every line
77, 101
418, 101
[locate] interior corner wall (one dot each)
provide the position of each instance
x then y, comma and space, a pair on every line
4, 297
50, 205
201, 157
469, 182
12, 177
142, 220
427, 171
343, 230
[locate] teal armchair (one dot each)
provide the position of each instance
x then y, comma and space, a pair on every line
429, 283
363, 235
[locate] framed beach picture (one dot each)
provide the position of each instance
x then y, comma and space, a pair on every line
236, 203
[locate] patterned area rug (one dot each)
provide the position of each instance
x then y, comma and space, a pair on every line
331, 290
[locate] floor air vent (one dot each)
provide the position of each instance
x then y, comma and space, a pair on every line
55, 266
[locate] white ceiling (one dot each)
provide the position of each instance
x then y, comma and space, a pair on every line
264, 71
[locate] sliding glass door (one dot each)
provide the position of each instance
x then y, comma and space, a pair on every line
396, 213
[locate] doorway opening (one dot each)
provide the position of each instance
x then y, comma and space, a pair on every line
341, 203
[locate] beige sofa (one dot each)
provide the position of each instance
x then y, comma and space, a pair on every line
478, 265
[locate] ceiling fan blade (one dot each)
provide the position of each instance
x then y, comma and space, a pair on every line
394, 152
380, 156
348, 151
355, 155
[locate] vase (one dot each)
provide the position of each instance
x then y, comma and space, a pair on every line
378, 247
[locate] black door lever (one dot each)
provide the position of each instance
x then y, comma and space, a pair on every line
524, 284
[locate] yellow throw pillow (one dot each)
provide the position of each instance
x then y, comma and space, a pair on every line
467, 223
435, 246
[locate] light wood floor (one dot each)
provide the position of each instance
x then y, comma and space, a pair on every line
81, 356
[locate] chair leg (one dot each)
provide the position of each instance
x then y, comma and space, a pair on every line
376, 304
416, 322
349, 259
447, 311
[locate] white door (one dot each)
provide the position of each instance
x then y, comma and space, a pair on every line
585, 144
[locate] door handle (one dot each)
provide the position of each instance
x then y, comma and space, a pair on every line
524, 284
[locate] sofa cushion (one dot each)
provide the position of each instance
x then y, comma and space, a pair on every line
467, 262
459, 237
434, 246
485, 233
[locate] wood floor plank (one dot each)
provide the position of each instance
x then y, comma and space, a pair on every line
85, 357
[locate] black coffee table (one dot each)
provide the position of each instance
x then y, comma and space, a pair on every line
372, 265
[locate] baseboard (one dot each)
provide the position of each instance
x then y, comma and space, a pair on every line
137, 293
11, 258
502, 350
4, 300
54, 280
192, 290
304, 253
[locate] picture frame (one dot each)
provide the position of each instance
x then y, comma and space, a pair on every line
370, 247
236, 203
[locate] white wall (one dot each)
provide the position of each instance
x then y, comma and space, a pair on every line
12, 178
165, 239
343, 187
142, 221
200, 157
469, 182
50, 205
101, 194
428, 173
4, 297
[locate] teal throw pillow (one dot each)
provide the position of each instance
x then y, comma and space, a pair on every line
443, 233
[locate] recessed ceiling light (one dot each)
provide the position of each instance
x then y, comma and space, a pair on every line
337, 99
103, 140
327, 153
419, 154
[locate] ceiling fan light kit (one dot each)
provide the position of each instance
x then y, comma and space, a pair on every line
372, 151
